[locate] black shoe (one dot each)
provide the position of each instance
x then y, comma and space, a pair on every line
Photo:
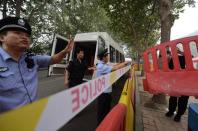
169, 114
177, 118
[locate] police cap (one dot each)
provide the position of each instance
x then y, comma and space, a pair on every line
15, 23
103, 53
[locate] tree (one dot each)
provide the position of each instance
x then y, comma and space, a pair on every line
64, 17
18, 7
69, 18
3, 5
78, 16
11, 7
169, 11
134, 21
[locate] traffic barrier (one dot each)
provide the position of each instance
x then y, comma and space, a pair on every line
49, 114
115, 119
126, 106
175, 82
136, 67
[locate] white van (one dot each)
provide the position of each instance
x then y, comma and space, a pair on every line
92, 43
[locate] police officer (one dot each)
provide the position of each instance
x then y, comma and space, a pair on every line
18, 70
102, 68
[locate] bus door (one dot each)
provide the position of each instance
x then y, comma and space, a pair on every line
89, 48
59, 43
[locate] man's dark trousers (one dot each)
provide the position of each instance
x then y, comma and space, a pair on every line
104, 106
182, 104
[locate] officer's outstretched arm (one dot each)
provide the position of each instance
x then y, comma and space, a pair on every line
58, 57
118, 66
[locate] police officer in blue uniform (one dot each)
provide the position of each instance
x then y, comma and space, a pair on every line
102, 68
18, 70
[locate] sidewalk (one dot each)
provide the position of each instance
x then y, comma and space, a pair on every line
154, 116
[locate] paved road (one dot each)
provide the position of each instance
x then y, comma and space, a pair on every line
49, 85
85, 120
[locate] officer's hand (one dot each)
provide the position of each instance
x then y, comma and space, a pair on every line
127, 62
69, 46
92, 68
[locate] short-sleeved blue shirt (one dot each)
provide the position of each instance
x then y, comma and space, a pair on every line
18, 84
103, 69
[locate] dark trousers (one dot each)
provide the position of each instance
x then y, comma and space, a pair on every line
181, 103
104, 106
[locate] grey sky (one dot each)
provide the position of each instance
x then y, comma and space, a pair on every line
186, 25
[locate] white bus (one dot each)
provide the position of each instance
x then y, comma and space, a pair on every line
92, 43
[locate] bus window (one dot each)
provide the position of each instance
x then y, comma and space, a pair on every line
101, 44
112, 54
117, 56
59, 43
120, 57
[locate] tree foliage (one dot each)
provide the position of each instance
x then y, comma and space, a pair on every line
64, 17
135, 21
169, 11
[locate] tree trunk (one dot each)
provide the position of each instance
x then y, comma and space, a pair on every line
18, 7
165, 18
166, 24
4, 8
